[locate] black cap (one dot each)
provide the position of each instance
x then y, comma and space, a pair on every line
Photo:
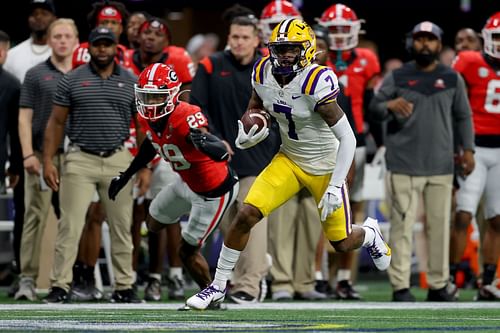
101, 33
45, 4
428, 27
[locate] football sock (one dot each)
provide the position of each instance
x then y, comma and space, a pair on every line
156, 276
175, 272
369, 236
489, 271
343, 274
227, 260
453, 272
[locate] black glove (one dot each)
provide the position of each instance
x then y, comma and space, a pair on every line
208, 143
116, 185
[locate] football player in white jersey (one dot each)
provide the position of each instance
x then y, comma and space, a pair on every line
316, 152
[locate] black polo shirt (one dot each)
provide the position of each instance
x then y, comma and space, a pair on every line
37, 92
100, 109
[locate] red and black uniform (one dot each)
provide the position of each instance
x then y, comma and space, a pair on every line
202, 174
362, 66
81, 54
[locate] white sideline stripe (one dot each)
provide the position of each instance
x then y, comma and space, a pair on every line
257, 306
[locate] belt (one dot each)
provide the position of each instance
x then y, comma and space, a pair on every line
104, 153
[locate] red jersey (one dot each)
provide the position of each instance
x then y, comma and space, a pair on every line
176, 57
81, 54
362, 67
483, 84
200, 172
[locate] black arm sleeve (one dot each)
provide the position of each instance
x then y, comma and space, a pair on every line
146, 153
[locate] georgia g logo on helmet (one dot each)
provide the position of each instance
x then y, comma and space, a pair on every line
292, 46
156, 91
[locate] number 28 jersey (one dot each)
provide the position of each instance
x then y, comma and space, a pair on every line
196, 169
306, 138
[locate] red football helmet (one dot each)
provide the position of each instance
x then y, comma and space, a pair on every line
343, 26
491, 36
275, 12
156, 91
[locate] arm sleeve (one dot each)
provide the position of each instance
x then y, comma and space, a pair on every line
462, 115
28, 90
378, 104
146, 153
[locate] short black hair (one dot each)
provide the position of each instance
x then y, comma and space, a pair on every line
4, 37
245, 21
238, 10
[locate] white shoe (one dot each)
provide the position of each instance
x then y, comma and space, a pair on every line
378, 250
210, 295
26, 290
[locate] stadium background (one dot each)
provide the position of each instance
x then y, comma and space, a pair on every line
387, 21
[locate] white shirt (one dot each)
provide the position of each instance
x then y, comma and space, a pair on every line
306, 138
25, 55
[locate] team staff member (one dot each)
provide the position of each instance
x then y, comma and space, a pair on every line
37, 92
99, 96
222, 89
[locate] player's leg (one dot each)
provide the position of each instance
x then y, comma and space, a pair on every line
490, 246
274, 186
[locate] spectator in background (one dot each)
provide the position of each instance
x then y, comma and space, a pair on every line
10, 148
21, 58
202, 45
481, 73
111, 15
357, 69
467, 39
447, 55
101, 111
134, 22
423, 96
35, 106
222, 88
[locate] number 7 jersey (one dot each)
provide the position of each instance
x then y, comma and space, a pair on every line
306, 138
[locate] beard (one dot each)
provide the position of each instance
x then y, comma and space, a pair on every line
103, 63
425, 58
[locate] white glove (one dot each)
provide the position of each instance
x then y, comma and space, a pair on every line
331, 201
244, 141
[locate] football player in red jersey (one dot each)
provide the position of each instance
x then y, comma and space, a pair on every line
111, 15
481, 71
357, 69
206, 187
154, 39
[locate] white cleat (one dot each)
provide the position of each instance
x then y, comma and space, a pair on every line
378, 250
210, 295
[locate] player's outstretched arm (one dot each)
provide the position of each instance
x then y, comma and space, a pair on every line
209, 144
146, 153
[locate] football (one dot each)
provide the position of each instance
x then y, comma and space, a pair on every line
255, 116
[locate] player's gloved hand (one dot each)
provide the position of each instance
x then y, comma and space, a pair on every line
331, 201
244, 140
116, 185
198, 138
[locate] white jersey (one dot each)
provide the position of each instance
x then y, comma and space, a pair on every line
22, 57
306, 138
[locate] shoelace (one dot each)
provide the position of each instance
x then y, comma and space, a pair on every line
374, 251
205, 293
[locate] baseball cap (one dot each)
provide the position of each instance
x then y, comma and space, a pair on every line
45, 4
101, 33
428, 27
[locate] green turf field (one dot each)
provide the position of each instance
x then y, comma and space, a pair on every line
374, 314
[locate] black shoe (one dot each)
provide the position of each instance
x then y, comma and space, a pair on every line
153, 290
403, 295
56, 295
242, 297
175, 288
448, 293
85, 294
345, 290
125, 296
488, 293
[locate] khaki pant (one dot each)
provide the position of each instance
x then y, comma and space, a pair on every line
252, 265
405, 193
37, 202
294, 230
83, 174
